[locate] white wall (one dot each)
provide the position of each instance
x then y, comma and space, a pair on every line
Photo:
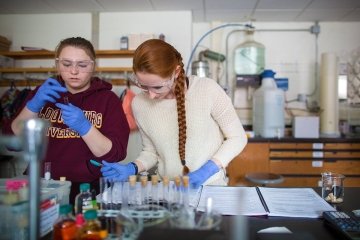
43, 30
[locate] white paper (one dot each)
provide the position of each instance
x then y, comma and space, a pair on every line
294, 202
232, 200
286, 202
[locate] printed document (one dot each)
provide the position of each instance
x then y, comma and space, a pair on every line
254, 201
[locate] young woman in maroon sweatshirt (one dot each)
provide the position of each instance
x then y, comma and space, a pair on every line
87, 119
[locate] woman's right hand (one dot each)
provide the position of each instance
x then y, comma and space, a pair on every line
47, 92
117, 171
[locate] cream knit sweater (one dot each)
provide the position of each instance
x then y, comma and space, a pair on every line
214, 130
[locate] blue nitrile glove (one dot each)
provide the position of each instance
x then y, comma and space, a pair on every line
47, 92
117, 171
198, 177
75, 118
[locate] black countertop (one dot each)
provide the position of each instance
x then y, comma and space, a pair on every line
304, 140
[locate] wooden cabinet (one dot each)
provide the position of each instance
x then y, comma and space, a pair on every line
32, 55
299, 162
254, 158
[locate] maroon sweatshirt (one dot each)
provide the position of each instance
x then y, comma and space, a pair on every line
67, 152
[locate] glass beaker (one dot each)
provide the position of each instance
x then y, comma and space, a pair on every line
333, 187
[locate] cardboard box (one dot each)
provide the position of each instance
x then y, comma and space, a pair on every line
4, 44
305, 127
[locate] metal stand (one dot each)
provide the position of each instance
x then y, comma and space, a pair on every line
34, 144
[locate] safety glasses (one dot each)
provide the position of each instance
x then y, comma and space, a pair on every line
67, 65
162, 87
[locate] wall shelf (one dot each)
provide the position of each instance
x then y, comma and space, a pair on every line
36, 82
44, 54
51, 70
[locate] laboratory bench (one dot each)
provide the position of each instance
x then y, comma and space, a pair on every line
299, 161
301, 228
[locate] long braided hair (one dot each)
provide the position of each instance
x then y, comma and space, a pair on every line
160, 58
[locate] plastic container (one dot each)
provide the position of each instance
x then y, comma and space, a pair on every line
124, 43
65, 226
84, 200
268, 108
249, 56
14, 221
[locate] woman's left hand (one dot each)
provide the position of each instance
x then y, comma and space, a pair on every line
75, 118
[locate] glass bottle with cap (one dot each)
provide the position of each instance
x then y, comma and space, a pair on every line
83, 201
65, 226
92, 227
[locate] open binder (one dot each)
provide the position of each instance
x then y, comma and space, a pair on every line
257, 201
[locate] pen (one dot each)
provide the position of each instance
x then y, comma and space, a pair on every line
95, 163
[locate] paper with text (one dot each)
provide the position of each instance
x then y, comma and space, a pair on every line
232, 200
294, 202
285, 202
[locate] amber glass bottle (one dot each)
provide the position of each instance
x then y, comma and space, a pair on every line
65, 226
92, 228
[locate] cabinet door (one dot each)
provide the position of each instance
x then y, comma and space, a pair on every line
254, 158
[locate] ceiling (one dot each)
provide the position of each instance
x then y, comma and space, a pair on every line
202, 10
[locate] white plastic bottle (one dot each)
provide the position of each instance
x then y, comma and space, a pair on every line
268, 108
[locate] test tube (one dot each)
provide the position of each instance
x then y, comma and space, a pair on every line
144, 195
177, 192
185, 189
166, 192
47, 170
104, 193
154, 189
66, 100
132, 190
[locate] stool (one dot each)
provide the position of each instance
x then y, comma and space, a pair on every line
264, 178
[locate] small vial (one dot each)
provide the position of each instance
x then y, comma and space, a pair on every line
66, 100
186, 199
132, 190
166, 192
144, 195
154, 189
178, 197
47, 170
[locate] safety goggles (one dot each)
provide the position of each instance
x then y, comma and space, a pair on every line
158, 88
67, 65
